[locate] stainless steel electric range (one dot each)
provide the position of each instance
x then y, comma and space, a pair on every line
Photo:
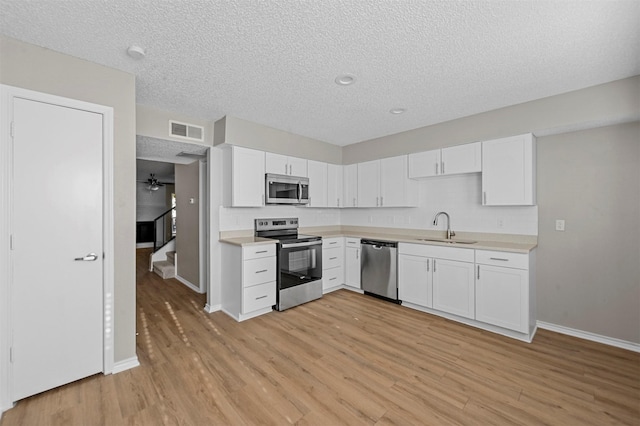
299, 257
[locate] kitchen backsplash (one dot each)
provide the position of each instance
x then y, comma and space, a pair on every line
459, 195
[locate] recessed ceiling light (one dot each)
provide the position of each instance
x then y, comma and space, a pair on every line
136, 52
397, 110
345, 79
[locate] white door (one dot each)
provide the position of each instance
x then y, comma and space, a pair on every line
56, 300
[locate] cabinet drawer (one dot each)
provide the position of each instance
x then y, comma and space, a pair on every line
258, 271
352, 242
254, 252
258, 297
502, 258
425, 250
332, 257
332, 242
332, 278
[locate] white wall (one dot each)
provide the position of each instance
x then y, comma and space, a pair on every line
458, 195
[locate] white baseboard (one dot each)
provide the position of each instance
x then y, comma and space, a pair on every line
611, 341
189, 284
212, 308
125, 364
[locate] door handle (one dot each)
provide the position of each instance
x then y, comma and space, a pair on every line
88, 258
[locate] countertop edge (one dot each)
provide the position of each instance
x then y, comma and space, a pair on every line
247, 241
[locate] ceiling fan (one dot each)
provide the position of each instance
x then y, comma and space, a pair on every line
152, 183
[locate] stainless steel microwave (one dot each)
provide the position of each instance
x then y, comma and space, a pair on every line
283, 189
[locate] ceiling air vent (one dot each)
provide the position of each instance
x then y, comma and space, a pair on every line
186, 131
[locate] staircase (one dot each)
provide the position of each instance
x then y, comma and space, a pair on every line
166, 268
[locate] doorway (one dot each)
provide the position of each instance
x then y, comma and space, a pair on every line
56, 260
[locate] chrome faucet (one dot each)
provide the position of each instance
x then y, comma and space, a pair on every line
450, 233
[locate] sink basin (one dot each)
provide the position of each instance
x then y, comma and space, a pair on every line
444, 240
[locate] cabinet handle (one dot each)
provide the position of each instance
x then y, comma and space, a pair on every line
484, 197
434, 265
261, 251
354, 201
381, 201
499, 258
261, 271
478, 271
262, 297
443, 167
333, 279
285, 169
333, 258
377, 201
436, 168
427, 265
357, 254
262, 199
338, 202
333, 242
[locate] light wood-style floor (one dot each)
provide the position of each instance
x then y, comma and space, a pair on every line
344, 359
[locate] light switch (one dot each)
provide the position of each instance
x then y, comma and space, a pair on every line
559, 224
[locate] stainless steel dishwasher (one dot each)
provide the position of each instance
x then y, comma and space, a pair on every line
379, 270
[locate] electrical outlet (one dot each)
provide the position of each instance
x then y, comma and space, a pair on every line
500, 223
559, 224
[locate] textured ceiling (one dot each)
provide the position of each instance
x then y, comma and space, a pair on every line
274, 62
153, 149
164, 172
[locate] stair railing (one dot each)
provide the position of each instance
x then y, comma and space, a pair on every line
164, 229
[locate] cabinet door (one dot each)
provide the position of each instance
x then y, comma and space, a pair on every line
276, 163
298, 167
414, 280
247, 180
465, 158
454, 287
350, 185
502, 297
424, 164
334, 186
369, 184
396, 190
352, 266
508, 167
317, 184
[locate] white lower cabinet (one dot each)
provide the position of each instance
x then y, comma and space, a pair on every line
454, 287
415, 282
502, 289
352, 262
248, 280
332, 263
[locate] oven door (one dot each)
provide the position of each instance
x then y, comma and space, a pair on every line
299, 263
282, 189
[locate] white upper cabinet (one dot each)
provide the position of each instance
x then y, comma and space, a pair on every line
317, 172
508, 171
424, 164
459, 159
384, 183
334, 185
396, 189
285, 165
244, 177
369, 184
350, 193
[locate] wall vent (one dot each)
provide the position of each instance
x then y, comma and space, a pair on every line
186, 131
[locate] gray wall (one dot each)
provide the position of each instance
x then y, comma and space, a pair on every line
589, 275
235, 131
596, 106
188, 222
31, 67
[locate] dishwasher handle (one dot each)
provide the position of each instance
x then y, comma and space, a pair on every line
379, 244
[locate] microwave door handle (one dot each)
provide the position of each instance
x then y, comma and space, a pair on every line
299, 192
305, 244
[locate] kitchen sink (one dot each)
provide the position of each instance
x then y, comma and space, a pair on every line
444, 240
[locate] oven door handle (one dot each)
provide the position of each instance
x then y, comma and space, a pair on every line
305, 244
